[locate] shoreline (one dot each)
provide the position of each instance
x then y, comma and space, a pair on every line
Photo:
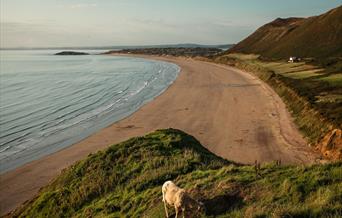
13, 161
231, 112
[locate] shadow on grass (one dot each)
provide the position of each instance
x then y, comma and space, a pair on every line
222, 204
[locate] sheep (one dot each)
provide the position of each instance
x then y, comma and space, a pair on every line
177, 197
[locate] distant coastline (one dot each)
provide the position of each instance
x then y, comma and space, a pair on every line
185, 45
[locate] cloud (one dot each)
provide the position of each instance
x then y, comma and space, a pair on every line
224, 23
119, 31
83, 5
157, 22
31, 34
241, 23
26, 34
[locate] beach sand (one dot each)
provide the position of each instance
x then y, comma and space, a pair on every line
231, 112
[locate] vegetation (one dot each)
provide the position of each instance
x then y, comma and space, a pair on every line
173, 51
125, 181
318, 36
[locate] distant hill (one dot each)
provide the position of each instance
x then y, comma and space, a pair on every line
173, 51
318, 36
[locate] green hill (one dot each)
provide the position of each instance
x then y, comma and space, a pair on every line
125, 181
318, 36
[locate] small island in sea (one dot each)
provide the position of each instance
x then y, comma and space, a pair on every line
71, 53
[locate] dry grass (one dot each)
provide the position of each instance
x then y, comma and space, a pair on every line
244, 57
329, 98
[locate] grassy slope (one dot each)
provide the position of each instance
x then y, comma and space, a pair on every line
126, 179
319, 36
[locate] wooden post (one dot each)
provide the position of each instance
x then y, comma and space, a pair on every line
257, 167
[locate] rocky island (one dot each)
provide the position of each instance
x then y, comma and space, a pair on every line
71, 53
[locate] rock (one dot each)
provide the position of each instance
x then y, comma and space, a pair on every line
331, 145
71, 53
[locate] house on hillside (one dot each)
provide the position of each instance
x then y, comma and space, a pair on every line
293, 59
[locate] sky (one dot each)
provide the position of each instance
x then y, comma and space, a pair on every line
58, 23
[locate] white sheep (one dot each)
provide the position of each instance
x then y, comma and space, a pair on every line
177, 197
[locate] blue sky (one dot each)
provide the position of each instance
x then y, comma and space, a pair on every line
50, 23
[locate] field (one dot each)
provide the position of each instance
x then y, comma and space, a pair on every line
125, 181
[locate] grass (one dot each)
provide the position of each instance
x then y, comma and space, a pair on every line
329, 98
311, 89
125, 181
304, 74
333, 80
243, 56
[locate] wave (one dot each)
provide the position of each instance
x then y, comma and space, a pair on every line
4, 149
61, 113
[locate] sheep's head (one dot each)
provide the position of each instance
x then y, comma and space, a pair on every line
200, 207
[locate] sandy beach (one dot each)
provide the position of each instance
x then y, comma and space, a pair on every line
231, 112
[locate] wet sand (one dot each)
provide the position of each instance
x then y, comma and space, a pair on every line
232, 113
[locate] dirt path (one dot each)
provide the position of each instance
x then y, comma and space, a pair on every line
232, 113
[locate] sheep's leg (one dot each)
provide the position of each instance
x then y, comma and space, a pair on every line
176, 212
183, 211
167, 215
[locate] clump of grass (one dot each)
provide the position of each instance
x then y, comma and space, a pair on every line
125, 181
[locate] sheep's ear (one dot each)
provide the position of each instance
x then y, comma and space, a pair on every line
201, 207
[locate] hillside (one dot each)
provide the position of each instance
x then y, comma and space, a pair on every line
125, 180
318, 36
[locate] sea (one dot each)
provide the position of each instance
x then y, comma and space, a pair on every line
49, 102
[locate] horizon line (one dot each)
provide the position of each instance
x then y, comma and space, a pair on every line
120, 46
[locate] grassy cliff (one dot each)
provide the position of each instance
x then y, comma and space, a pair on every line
125, 181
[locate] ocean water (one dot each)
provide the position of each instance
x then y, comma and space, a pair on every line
49, 102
